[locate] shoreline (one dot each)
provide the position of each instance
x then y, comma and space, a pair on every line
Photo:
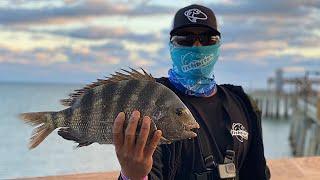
281, 169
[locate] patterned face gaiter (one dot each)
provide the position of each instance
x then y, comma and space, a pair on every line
192, 69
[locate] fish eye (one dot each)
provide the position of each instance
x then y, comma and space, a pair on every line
179, 111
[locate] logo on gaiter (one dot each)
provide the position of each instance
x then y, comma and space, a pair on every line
197, 64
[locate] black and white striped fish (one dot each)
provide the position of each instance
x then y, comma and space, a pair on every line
93, 109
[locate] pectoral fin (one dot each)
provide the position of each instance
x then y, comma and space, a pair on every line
69, 134
164, 140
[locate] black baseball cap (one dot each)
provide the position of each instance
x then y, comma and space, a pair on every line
195, 16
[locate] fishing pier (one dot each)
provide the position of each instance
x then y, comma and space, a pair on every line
299, 104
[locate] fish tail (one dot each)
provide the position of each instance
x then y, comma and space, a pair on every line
42, 131
34, 118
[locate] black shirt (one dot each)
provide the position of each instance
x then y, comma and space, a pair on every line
182, 159
211, 114
212, 119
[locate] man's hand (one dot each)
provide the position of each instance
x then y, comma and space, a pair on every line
134, 156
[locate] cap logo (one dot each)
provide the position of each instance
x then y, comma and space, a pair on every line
194, 14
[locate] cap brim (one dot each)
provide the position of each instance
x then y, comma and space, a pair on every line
194, 25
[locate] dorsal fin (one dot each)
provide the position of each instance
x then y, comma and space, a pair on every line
118, 76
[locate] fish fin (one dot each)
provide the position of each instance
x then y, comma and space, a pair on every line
164, 140
82, 144
42, 131
118, 76
86, 143
34, 118
70, 134
39, 134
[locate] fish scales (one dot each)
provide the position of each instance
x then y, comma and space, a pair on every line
111, 94
125, 91
100, 112
91, 114
85, 113
148, 94
130, 101
54, 116
125, 103
106, 94
85, 110
160, 102
107, 115
68, 117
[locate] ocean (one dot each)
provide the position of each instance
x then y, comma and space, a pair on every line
56, 156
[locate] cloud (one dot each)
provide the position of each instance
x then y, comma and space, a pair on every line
28, 41
60, 14
86, 59
101, 32
266, 9
306, 52
71, 11
254, 30
37, 56
294, 69
288, 21
95, 36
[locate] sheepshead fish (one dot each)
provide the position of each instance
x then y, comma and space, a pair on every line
92, 110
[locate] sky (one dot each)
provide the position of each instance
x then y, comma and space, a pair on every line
78, 41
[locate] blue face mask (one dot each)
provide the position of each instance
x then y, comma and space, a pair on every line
192, 69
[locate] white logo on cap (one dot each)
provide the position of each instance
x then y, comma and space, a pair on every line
194, 14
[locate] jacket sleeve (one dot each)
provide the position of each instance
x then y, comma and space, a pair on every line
255, 167
156, 172
163, 163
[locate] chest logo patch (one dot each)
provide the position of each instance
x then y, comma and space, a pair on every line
239, 131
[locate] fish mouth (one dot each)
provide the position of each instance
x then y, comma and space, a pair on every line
188, 127
187, 133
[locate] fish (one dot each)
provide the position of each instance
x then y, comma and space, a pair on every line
91, 111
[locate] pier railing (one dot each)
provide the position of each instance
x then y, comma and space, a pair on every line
273, 105
305, 127
303, 114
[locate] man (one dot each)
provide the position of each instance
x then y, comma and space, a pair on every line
229, 142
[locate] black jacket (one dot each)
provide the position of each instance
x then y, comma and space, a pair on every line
181, 159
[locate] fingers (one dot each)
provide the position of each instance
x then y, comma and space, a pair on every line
130, 132
118, 136
149, 150
143, 135
127, 140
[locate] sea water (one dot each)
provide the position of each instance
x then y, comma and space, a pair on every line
57, 156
